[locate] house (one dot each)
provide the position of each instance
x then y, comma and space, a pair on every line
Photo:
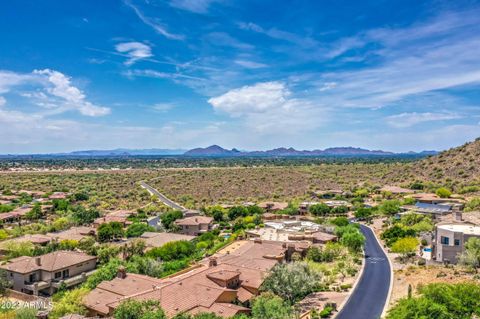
75, 233
222, 284
153, 240
273, 206
120, 216
337, 203
45, 274
450, 239
190, 213
15, 215
58, 195
194, 225
429, 198
293, 231
331, 193
304, 206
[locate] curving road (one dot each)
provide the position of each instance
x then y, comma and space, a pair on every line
164, 199
368, 299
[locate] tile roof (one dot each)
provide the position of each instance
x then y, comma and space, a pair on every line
194, 220
76, 233
49, 262
197, 290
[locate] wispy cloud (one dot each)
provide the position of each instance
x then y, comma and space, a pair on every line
410, 119
154, 23
250, 64
163, 107
196, 6
224, 39
135, 51
274, 33
157, 74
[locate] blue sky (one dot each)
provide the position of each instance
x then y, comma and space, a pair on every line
393, 75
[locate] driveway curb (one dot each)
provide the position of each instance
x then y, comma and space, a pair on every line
347, 298
360, 275
389, 296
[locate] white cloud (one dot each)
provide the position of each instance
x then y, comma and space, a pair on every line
224, 39
410, 119
135, 51
196, 6
440, 54
53, 91
257, 98
163, 107
158, 75
70, 96
154, 23
327, 86
10, 79
270, 108
250, 64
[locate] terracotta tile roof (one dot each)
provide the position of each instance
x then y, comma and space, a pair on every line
109, 219
244, 295
58, 195
273, 205
194, 220
35, 239
323, 237
223, 275
221, 309
76, 233
49, 262
198, 290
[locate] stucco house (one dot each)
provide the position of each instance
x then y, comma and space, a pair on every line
45, 274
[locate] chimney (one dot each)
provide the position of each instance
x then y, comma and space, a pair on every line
121, 272
38, 261
257, 241
458, 216
212, 262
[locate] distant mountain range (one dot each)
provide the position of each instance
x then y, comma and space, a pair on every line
217, 151
126, 152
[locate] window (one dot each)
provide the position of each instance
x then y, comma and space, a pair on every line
444, 240
58, 275
66, 273
457, 242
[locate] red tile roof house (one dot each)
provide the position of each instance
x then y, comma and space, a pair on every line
218, 284
44, 274
194, 225
120, 216
58, 195
15, 215
273, 206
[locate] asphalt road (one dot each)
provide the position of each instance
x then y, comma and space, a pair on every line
369, 297
161, 197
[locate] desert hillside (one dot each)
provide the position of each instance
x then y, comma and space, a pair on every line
458, 168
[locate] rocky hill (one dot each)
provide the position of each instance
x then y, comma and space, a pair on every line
457, 168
